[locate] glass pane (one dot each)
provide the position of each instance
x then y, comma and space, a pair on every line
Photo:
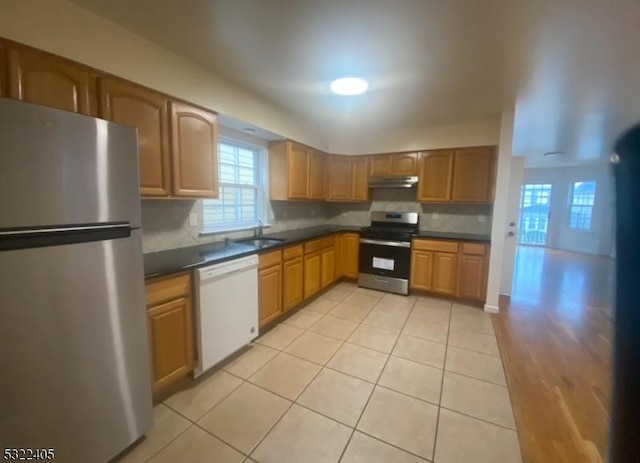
246, 176
534, 213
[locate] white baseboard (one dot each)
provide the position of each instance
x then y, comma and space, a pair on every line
491, 308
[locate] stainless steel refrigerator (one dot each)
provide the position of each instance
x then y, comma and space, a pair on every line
74, 358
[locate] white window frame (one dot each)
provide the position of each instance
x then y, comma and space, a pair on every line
591, 206
262, 187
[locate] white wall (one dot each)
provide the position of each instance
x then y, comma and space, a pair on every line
419, 138
599, 240
63, 28
513, 208
500, 208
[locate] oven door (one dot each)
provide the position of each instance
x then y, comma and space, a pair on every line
390, 259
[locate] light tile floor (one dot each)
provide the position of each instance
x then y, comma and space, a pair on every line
357, 376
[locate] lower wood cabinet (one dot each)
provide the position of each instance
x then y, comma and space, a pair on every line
171, 329
350, 248
327, 262
269, 286
450, 268
292, 272
312, 276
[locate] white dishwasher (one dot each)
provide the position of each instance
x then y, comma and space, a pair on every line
226, 309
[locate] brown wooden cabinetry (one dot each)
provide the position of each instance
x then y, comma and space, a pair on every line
295, 171
473, 271
146, 110
194, 144
393, 165
435, 177
421, 270
328, 262
312, 267
350, 247
445, 268
473, 174
269, 286
45, 79
347, 178
171, 329
292, 272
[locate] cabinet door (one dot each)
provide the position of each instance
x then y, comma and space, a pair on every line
434, 179
316, 175
3, 70
269, 293
194, 152
360, 190
444, 273
170, 327
328, 267
291, 283
351, 246
404, 164
51, 81
473, 175
339, 179
146, 110
471, 277
339, 258
380, 165
312, 268
421, 270
298, 171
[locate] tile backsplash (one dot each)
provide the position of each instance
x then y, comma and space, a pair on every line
165, 223
456, 218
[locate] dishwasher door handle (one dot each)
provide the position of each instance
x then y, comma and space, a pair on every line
212, 275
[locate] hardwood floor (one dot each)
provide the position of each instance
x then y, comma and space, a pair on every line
555, 336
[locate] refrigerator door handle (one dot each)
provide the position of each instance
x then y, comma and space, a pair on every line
25, 238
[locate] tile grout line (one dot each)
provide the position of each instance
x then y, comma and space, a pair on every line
355, 427
444, 369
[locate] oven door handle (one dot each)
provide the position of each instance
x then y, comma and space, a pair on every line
397, 244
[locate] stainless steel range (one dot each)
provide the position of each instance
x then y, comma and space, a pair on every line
385, 251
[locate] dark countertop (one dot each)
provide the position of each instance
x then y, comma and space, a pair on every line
455, 236
175, 260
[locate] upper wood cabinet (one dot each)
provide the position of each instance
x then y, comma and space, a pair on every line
194, 146
347, 178
473, 175
339, 178
171, 329
51, 81
393, 165
435, 176
146, 110
295, 171
360, 184
316, 175
177, 143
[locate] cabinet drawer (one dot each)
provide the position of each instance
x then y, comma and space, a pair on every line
291, 252
434, 245
312, 246
167, 288
269, 259
328, 242
473, 249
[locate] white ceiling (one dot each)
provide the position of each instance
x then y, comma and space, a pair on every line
570, 67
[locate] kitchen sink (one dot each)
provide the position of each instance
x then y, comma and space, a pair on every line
260, 242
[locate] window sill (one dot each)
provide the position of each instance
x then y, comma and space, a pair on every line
220, 231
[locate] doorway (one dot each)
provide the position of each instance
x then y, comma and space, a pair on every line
534, 213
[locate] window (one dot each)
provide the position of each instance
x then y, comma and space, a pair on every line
242, 201
583, 197
534, 213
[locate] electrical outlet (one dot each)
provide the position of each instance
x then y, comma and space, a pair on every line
482, 218
435, 216
193, 219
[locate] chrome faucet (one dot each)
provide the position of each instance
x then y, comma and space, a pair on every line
259, 229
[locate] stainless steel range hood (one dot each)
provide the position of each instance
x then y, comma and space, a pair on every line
393, 182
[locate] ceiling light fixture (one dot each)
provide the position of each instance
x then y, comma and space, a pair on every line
554, 153
249, 129
349, 86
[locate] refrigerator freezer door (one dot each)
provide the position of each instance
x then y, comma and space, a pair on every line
59, 168
74, 356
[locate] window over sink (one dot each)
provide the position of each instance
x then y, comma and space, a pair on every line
242, 171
